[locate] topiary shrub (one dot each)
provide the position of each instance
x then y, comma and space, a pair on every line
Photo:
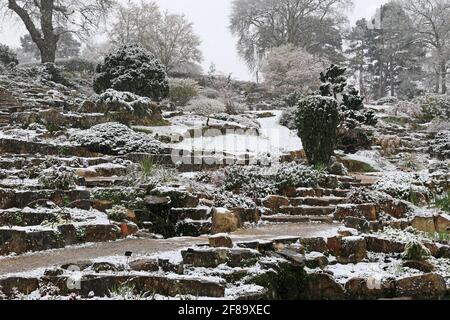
7, 56
317, 120
133, 69
182, 91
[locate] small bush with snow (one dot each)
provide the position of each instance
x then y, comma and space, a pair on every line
287, 118
404, 185
117, 213
119, 101
133, 69
434, 106
415, 250
386, 101
440, 145
58, 178
182, 91
115, 138
258, 182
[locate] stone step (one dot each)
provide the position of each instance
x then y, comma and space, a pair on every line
314, 201
23, 240
349, 185
178, 214
104, 182
321, 192
29, 217
11, 198
307, 210
103, 285
296, 219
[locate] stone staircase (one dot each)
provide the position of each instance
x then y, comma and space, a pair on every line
310, 204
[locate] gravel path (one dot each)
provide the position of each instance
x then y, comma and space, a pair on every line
29, 262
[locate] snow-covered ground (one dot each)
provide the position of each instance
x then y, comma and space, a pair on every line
274, 139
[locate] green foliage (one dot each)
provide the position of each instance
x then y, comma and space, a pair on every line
415, 250
182, 91
443, 202
133, 69
317, 121
333, 81
117, 213
7, 56
255, 181
77, 65
147, 166
440, 145
58, 178
127, 291
434, 106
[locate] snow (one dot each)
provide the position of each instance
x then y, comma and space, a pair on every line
274, 139
372, 158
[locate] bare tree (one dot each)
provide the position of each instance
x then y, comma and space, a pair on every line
431, 20
261, 25
290, 69
170, 37
47, 20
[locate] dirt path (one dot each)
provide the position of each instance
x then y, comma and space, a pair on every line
45, 259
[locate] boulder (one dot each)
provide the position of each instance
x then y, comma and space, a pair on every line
205, 258
368, 211
381, 245
421, 265
224, 221
427, 286
316, 260
424, 223
69, 234
370, 288
442, 223
12, 241
348, 249
220, 241
21, 284
314, 244
251, 215
242, 257
147, 265
321, 286
169, 266
99, 233
7, 198
192, 228
274, 203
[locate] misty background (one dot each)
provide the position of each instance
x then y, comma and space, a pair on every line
211, 21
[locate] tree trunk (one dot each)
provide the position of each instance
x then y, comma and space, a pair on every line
391, 71
437, 79
50, 39
444, 77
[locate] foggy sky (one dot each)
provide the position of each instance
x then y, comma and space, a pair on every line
211, 20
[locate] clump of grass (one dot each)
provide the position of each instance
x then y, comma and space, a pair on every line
128, 291
439, 236
415, 250
443, 202
117, 213
147, 167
